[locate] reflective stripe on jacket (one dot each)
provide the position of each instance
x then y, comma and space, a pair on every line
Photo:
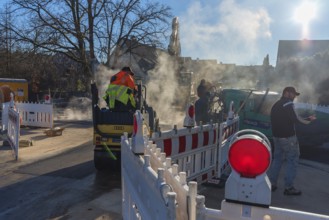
120, 93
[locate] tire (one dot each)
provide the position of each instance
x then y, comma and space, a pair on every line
99, 161
102, 161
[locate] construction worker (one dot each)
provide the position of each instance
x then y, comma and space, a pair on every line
202, 105
120, 92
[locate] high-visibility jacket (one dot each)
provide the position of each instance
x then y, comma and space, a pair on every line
120, 93
123, 78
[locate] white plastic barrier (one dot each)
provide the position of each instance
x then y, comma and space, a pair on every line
153, 188
13, 131
193, 149
36, 114
4, 115
234, 211
142, 198
200, 151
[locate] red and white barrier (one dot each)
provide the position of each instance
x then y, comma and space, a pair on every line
226, 131
153, 188
36, 114
193, 149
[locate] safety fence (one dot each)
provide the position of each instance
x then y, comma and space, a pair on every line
153, 187
200, 151
36, 114
226, 131
13, 131
193, 149
4, 115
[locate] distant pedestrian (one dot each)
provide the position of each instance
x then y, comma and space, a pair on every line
286, 146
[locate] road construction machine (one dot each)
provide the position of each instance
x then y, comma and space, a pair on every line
110, 124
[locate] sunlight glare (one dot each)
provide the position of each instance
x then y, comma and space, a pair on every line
305, 12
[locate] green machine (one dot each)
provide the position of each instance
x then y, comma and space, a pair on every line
252, 106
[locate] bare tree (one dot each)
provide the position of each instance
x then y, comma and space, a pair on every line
53, 26
146, 22
6, 41
84, 30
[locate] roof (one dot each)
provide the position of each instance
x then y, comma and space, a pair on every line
300, 48
12, 80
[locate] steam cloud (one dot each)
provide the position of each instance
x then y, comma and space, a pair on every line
309, 74
162, 92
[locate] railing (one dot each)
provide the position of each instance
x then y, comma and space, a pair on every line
200, 151
153, 187
193, 149
4, 115
226, 131
36, 114
13, 131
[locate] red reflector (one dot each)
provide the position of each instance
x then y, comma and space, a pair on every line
249, 157
191, 111
135, 125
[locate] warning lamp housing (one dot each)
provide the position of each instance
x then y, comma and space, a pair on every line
250, 157
189, 120
47, 99
137, 145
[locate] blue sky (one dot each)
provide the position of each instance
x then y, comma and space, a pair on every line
245, 31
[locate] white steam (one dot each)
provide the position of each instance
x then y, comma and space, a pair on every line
162, 91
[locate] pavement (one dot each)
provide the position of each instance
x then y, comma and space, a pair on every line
74, 134
312, 177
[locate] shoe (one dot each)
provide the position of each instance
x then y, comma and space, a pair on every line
292, 192
273, 188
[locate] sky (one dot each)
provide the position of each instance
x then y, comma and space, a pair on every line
245, 31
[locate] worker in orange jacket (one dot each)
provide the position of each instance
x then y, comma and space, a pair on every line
121, 90
124, 78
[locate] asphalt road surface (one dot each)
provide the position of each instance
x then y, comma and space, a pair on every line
66, 186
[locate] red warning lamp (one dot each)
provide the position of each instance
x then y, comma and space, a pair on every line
189, 119
138, 141
135, 126
191, 111
249, 157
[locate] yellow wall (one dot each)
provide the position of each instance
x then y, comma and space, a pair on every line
18, 86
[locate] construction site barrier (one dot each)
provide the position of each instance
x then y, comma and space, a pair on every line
153, 187
200, 151
13, 131
193, 149
226, 132
36, 114
4, 115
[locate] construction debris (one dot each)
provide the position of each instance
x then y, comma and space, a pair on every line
57, 131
